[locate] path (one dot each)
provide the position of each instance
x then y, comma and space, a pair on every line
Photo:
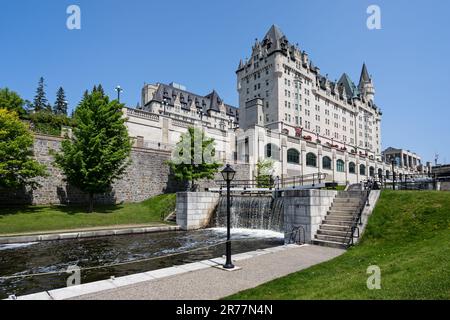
214, 283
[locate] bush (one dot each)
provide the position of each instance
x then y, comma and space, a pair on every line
47, 122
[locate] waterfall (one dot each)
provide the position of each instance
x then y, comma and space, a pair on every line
251, 212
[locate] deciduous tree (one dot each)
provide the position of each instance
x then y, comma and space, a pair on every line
193, 158
98, 152
17, 164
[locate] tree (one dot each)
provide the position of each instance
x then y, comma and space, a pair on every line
40, 99
193, 157
98, 152
264, 172
10, 100
60, 106
17, 166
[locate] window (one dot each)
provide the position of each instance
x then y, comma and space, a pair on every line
311, 160
352, 167
340, 166
269, 150
272, 151
372, 171
362, 170
326, 163
293, 156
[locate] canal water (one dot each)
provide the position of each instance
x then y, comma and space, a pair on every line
171, 247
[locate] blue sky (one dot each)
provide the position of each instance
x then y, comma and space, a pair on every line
198, 43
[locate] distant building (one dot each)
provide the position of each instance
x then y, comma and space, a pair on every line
288, 111
442, 170
404, 159
167, 111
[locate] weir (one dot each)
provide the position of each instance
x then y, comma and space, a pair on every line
261, 212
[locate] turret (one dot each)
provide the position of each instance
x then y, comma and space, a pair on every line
365, 86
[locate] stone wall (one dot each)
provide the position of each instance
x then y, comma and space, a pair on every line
444, 186
242, 173
194, 209
306, 208
147, 176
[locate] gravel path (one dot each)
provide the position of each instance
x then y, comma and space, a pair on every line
215, 283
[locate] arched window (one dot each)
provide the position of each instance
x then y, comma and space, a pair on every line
272, 151
372, 171
311, 160
326, 163
362, 170
351, 167
293, 156
388, 175
340, 166
380, 173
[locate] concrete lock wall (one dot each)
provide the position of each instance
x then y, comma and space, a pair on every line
194, 209
306, 208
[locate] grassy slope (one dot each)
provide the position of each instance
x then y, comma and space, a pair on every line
45, 218
408, 237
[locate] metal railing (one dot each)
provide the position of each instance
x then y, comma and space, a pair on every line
357, 219
406, 181
297, 233
276, 183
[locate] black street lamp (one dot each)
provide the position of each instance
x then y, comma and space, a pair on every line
393, 173
119, 90
228, 175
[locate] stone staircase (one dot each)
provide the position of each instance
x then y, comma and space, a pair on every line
335, 228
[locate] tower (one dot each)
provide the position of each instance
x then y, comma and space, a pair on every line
365, 86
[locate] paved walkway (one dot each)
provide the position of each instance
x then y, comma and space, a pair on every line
214, 283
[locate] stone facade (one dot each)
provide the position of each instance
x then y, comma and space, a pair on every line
306, 208
194, 209
147, 176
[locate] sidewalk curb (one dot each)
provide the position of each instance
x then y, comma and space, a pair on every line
84, 234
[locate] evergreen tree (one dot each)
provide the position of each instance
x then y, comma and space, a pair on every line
12, 101
193, 157
17, 166
98, 152
40, 100
60, 106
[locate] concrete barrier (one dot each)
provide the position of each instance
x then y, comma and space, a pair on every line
194, 209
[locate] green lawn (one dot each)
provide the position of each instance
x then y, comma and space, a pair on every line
47, 218
408, 237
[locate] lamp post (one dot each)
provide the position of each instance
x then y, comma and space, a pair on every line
119, 90
393, 173
228, 175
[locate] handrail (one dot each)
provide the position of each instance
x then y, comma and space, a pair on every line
357, 219
271, 183
294, 232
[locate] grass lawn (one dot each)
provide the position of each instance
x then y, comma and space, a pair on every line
408, 237
47, 218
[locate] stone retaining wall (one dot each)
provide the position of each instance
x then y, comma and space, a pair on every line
194, 209
147, 176
306, 208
